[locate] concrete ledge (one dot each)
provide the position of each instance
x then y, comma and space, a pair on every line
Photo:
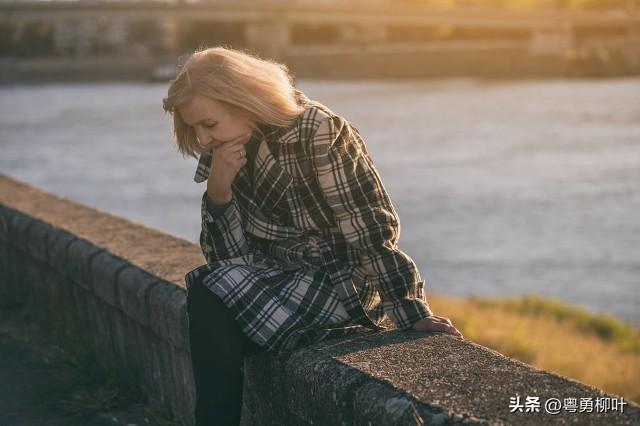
409, 378
80, 269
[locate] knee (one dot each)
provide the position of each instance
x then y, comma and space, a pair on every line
204, 303
200, 298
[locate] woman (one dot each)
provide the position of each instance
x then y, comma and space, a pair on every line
299, 234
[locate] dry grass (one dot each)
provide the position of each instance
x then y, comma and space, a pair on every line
595, 349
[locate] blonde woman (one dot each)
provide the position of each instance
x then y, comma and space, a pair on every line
299, 235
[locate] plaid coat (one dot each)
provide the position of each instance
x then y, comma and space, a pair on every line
307, 248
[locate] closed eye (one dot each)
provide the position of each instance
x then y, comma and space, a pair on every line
209, 126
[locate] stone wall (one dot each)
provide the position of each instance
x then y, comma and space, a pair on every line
89, 272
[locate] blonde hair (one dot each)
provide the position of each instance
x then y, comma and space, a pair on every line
260, 91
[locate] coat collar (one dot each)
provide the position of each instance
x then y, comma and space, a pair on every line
281, 135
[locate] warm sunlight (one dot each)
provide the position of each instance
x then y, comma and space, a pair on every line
319, 212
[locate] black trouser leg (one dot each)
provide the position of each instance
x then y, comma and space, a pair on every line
218, 347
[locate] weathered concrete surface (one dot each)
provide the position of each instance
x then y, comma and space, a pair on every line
79, 269
410, 378
162, 254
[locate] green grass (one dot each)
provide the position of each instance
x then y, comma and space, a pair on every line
605, 326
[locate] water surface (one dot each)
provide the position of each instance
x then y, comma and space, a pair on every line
503, 188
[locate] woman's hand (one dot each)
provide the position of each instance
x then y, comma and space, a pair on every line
436, 323
228, 158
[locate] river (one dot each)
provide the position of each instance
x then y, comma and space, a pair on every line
502, 187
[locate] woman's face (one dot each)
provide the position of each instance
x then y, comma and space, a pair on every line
212, 122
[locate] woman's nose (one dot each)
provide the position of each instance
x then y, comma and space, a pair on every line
203, 145
204, 141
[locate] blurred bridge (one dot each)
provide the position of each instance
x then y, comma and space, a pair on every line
305, 30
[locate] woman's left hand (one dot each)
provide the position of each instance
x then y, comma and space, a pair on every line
436, 323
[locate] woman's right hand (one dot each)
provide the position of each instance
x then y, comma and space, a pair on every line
437, 323
228, 157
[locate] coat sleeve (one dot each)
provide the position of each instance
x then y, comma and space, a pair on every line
222, 235
366, 217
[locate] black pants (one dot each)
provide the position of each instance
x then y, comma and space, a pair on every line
218, 348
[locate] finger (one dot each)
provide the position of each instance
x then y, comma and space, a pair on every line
223, 145
438, 323
440, 326
430, 325
440, 319
444, 327
447, 320
241, 163
453, 330
238, 140
234, 153
236, 150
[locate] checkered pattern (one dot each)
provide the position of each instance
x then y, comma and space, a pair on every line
308, 247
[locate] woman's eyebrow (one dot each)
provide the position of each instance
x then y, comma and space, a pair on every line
200, 121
